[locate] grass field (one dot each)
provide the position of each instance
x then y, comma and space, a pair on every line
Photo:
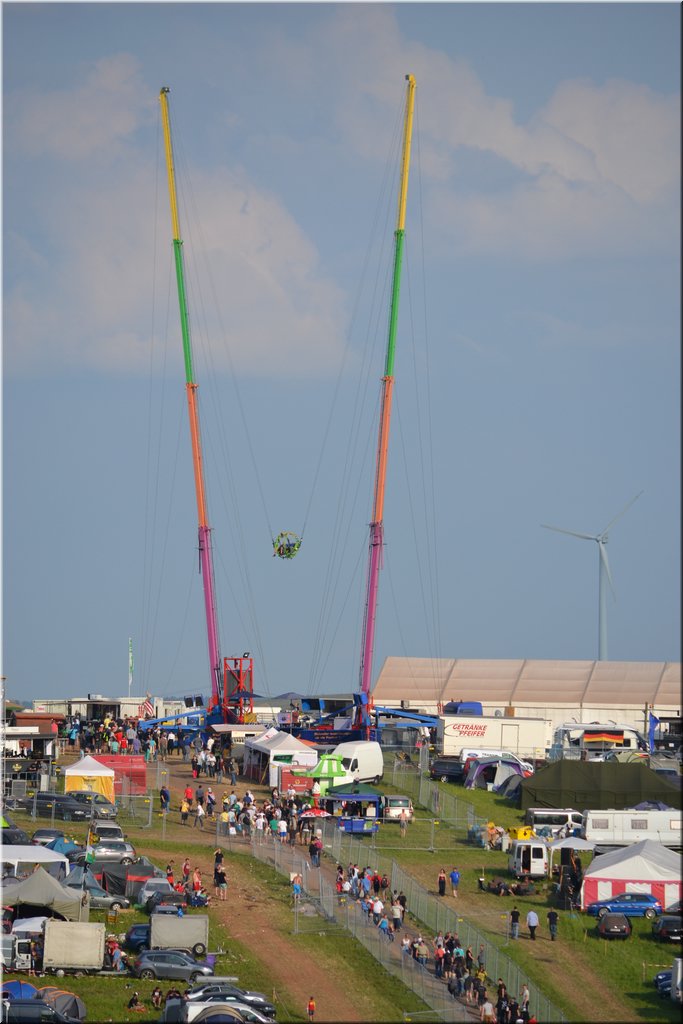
623, 969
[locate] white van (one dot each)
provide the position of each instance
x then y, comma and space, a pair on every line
528, 857
469, 753
393, 806
362, 760
565, 820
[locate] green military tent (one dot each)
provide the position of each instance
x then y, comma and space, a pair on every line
596, 785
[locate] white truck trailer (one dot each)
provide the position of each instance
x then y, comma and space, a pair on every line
73, 946
190, 932
615, 828
528, 738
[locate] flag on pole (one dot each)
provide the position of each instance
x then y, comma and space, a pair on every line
130, 663
652, 728
146, 709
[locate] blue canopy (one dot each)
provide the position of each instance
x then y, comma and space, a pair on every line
18, 990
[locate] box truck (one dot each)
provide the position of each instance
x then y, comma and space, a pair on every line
614, 828
528, 738
73, 946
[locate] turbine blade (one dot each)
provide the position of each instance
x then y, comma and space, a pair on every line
583, 536
625, 509
605, 562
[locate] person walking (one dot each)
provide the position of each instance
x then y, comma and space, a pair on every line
514, 923
442, 882
553, 919
199, 816
403, 824
455, 881
310, 1009
532, 924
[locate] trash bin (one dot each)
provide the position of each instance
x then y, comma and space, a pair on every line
112, 918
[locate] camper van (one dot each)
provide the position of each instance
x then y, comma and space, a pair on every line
528, 857
362, 760
610, 829
546, 820
579, 740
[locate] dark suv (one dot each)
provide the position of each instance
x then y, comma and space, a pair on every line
447, 769
58, 804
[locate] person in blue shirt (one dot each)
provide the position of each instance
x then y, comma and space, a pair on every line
455, 881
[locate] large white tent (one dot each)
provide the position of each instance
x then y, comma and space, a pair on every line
92, 775
272, 749
642, 867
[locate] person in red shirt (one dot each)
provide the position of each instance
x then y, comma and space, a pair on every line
311, 1008
189, 795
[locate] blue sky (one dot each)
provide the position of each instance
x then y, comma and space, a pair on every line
538, 355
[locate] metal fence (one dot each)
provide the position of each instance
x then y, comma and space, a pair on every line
346, 913
439, 917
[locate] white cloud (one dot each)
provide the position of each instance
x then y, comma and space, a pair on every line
90, 119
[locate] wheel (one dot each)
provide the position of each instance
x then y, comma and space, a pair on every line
199, 949
147, 974
377, 779
602, 911
444, 778
116, 906
195, 977
126, 860
650, 913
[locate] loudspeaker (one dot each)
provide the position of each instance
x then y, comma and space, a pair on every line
189, 703
199, 701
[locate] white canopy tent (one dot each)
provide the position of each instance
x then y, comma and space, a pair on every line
272, 749
21, 860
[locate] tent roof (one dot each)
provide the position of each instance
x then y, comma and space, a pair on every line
353, 791
597, 785
42, 890
280, 741
33, 852
646, 860
520, 681
89, 766
572, 843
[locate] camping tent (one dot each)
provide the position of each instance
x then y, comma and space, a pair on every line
598, 785
41, 890
90, 774
64, 1002
641, 867
490, 773
22, 859
123, 879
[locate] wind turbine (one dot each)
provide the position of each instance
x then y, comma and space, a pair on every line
605, 574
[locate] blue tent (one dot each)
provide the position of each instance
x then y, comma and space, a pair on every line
18, 990
64, 846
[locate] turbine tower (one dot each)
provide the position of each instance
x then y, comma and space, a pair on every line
605, 575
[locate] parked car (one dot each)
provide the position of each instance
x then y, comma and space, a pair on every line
137, 938
100, 899
447, 769
674, 908
106, 830
44, 836
98, 805
31, 1011
668, 928
614, 926
169, 963
661, 978
633, 904
217, 990
108, 851
59, 805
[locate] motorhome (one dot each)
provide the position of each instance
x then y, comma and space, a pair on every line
586, 740
614, 828
528, 738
